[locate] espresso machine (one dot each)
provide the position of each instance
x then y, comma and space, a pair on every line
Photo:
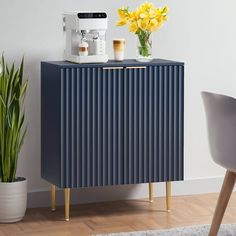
85, 34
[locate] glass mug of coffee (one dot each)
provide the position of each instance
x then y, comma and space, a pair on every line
119, 49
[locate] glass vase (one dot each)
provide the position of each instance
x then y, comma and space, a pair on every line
144, 46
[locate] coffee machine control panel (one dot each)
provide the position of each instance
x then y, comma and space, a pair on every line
89, 15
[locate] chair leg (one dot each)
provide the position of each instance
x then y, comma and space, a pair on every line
226, 190
67, 203
53, 197
168, 196
151, 187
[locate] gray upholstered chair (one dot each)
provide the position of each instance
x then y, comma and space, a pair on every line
221, 124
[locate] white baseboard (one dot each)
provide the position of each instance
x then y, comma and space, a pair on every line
113, 193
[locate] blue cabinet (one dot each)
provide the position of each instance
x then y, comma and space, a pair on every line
112, 124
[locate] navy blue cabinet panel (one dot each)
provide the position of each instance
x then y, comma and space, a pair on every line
112, 124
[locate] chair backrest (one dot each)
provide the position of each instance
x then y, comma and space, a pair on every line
221, 124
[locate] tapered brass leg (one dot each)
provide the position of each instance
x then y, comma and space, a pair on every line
150, 192
168, 196
67, 203
53, 197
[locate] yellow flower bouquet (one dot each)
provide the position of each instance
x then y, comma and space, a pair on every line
143, 21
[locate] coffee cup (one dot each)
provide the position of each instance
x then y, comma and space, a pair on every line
119, 49
83, 49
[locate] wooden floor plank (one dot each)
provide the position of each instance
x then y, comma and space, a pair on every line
120, 216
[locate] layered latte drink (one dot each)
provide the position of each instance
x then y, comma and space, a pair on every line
119, 48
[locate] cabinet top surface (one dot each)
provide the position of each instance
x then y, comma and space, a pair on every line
128, 62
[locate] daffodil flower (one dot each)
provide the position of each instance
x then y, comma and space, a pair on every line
133, 27
121, 22
146, 17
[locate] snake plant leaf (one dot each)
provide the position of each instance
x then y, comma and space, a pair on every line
22, 138
23, 90
2, 101
21, 71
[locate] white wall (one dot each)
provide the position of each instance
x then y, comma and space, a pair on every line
200, 33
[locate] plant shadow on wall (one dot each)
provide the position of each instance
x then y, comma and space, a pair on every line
145, 20
13, 189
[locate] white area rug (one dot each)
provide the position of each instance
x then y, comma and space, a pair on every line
198, 230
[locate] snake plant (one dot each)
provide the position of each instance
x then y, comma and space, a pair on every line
12, 129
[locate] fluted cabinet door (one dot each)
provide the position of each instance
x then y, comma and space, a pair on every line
92, 127
112, 125
153, 124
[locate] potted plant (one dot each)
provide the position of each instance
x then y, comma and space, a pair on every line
13, 189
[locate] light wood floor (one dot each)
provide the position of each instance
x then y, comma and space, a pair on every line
120, 216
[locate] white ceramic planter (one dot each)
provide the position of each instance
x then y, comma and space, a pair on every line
13, 200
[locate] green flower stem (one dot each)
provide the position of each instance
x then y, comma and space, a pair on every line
144, 41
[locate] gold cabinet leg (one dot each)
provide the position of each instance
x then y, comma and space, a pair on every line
168, 196
53, 197
67, 203
151, 187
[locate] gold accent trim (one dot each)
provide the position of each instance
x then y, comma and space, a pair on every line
67, 203
168, 196
151, 188
53, 197
135, 67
